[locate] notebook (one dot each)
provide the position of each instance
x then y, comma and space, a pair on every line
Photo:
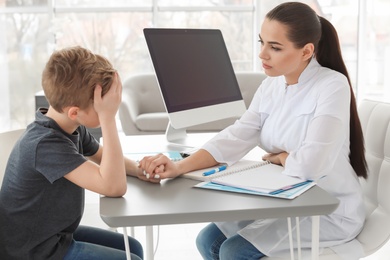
288, 194
267, 179
262, 177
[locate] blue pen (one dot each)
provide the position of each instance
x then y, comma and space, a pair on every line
223, 167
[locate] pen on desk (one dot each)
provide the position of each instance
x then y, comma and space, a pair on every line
221, 168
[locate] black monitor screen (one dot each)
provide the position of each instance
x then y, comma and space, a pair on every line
193, 67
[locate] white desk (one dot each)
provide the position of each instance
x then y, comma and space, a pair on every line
177, 202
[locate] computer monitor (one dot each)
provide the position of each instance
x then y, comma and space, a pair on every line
195, 76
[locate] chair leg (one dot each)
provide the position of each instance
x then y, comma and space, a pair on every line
127, 246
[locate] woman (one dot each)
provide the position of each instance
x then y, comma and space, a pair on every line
304, 115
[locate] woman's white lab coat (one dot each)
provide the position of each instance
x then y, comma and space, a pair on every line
310, 121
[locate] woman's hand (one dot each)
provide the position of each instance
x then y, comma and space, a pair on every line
157, 167
141, 174
276, 158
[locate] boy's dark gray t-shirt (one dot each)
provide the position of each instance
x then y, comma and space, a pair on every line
39, 208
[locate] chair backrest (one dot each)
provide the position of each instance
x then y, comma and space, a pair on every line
375, 120
7, 142
141, 95
142, 89
249, 82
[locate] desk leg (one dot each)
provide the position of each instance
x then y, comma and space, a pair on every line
315, 237
149, 243
127, 246
298, 238
290, 238
132, 232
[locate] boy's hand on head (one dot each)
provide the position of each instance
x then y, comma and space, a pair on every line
108, 105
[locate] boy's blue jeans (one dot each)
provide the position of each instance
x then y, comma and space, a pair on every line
95, 243
213, 245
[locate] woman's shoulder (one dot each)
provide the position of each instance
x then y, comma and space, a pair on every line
318, 73
325, 74
329, 83
331, 74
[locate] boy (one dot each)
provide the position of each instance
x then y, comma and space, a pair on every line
42, 196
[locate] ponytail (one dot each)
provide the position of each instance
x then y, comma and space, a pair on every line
329, 55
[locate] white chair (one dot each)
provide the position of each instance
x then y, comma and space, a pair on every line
7, 142
142, 109
375, 120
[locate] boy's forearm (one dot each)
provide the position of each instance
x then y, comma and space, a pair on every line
131, 167
112, 166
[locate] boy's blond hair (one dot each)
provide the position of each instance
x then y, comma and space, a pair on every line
70, 77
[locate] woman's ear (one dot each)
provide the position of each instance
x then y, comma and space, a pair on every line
308, 51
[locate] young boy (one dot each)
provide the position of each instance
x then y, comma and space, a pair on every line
42, 196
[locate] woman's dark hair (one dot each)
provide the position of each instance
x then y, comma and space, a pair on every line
305, 26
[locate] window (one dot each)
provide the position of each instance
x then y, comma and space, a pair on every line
31, 29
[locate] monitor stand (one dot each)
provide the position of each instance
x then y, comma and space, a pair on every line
179, 137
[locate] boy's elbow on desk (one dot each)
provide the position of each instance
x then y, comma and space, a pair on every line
116, 191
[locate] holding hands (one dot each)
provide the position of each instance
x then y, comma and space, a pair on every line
157, 167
